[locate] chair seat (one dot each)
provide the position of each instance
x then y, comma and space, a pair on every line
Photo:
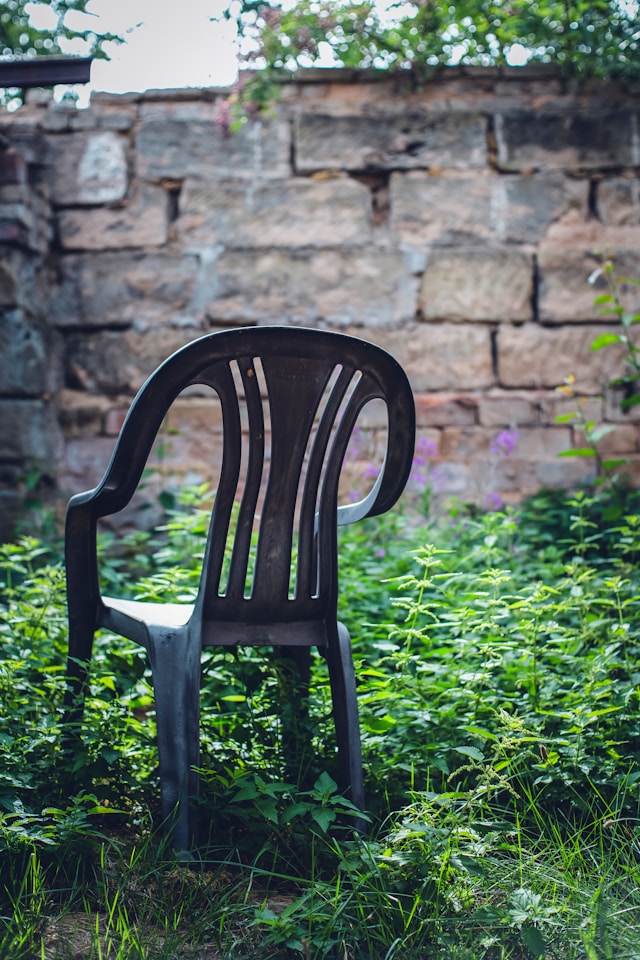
152, 614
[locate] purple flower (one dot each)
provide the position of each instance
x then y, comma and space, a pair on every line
493, 501
504, 444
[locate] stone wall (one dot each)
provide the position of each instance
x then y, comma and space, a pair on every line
455, 224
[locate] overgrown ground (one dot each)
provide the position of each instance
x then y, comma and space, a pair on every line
499, 688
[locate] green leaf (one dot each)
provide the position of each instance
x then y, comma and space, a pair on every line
566, 417
533, 940
604, 340
471, 752
599, 432
325, 785
323, 817
578, 452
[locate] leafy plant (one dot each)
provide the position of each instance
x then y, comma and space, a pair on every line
497, 658
586, 39
624, 385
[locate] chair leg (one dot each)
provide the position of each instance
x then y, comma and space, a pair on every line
345, 713
294, 695
175, 665
79, 658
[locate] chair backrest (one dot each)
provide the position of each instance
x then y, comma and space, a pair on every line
304, 389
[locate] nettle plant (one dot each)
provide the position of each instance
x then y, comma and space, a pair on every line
624, 387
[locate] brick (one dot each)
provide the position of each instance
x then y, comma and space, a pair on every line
142, 223
508, 409
529, 443
613, 410
533, 356
174, 148
622, 440
577, 140
417, 140
565, 294
116, 363
120, 289
113, 421
477, 284
13, 167
454, 211
29, 433
558, 404
564, 472
440, 356
27, 366
618, 201
437, 410
294, 213
9, 296
88, 169
79, 413
370, 287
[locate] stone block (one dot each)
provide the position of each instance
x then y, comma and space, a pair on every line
613, 409
623, 439
113, 421
431, 209
80, 414
533, 357
116, 363
535, 443
465, 443
13, 167
143, 222
288, 213
559, 404
577, 140
563, 473
27, 367
308, 287
88, 168
477, 284
419, 140
176, 148
123, 289
29, 434
9, 296
483, 443
442, 409
440, 356
565, 293
195, 416
85, 461
508, 409
618, 201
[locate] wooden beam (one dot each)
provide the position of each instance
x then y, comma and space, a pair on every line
44, 71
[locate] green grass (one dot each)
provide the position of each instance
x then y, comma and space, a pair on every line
498, 659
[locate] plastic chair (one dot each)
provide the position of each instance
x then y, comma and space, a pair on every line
309, 386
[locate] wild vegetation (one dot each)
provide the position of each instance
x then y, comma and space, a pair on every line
497, 657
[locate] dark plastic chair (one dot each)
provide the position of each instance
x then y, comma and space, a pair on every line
308, 387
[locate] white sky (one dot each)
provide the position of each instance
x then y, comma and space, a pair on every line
169, 43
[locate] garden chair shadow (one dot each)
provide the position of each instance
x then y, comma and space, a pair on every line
306, 388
